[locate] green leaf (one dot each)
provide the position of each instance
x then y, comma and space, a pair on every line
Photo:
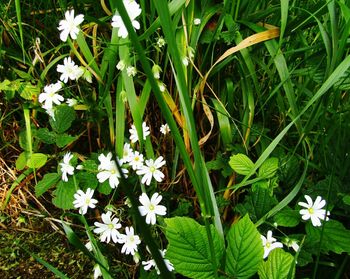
277, 266
5, 85
28, 91
21, 161
46, 183
46, 136
189, 250
244, 250
64, 116
241, 164
37, 160
257, 203
268, 168
346, 199
335, 236
64, 139
287, 218
90, 165
63, 195
87, 180
104, 188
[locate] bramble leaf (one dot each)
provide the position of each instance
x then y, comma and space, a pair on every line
189, 249
241, 164
245, 251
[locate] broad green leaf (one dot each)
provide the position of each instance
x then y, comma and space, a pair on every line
21, 161
277, 266
189, 248
63, 195
335, 236
268, 168
346, 199
49, 180
287, 218
90, 165
28, 91
244, 250
241, 164
64, 139
46, 136
5, 85
64, 116
87, 180
37, 160
104, 188
257, 204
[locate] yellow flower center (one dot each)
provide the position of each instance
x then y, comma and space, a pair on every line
151, 207
87, 201
268, 244
110, 226
311, 210
113, 171
152, 169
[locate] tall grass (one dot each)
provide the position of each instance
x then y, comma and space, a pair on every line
264, 78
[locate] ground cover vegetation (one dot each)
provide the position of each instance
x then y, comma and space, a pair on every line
175, 139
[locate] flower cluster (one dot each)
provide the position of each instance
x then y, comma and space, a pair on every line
68, 70
108, 169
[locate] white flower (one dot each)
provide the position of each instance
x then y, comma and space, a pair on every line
131, 71
136, 160
150, 208
133, 9
84, 200
109, 228
88, 246
185, 61
269, 243
105, 161
156, 71
130, 241
162, 87
147, 265
133, 133
71, 102
121, 65
108, 170
127, 154
291, 243
50, 112
197, 21
314, 210
151, 170
69, 26
164, 129
97, 271
160, 42
69, 70
49, 95
190, 53
66, 167
86, 74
